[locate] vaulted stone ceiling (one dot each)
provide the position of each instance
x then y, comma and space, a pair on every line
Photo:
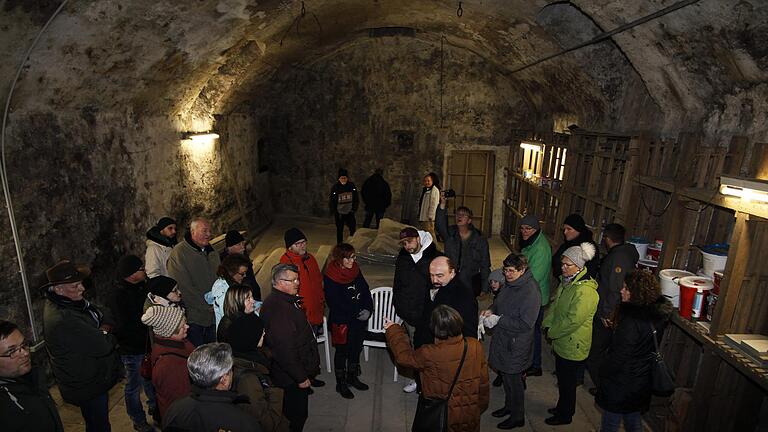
700, 63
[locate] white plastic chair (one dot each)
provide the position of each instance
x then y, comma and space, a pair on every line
323, 339
382, 308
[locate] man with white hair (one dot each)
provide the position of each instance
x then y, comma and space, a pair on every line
193, 264
212, 406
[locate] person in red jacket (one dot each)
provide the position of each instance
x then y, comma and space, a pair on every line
170, 351
310, 281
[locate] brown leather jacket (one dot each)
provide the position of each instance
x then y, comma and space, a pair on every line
437, 364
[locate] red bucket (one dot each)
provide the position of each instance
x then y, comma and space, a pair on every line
649, 266
690, 286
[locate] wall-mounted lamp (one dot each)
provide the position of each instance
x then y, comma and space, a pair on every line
530, 146
746, 189
200, 136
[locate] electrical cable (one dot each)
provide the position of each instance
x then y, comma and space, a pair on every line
608, 35
648, 209
4, 174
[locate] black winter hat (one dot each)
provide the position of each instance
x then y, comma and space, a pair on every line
128, 265
161, 285
233, 237
292, 236
244, 333
343, 172
576, 222
164, 222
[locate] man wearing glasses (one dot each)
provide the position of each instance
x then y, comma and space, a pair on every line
290, 338
25, 404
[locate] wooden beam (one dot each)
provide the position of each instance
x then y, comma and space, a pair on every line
735, 270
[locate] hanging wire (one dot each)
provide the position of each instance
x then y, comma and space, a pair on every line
648, 209
459, 11
296, 21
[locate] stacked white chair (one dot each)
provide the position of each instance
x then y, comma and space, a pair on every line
382, 308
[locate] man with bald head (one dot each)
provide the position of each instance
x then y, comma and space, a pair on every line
193, 264
447, 289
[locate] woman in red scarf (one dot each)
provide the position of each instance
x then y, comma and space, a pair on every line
349, 300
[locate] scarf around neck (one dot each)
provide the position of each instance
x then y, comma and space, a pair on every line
340, 274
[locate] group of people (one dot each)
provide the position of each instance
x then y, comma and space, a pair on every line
188, 326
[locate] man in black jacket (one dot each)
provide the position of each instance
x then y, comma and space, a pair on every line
343, 203
25, 404
128, 299
465, 246
447, 289
212, 406
84, 356
377, 197
290, 338
614, 267
411, 282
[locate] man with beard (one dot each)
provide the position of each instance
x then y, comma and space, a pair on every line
447, 289
411, 282
161, 239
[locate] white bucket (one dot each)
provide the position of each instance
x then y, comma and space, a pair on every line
641, 245
670, 287
713, 263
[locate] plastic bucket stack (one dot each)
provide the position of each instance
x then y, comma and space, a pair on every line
713, 258
670, 288
641, 245
693, 294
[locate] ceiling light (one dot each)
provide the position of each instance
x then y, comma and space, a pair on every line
530, 146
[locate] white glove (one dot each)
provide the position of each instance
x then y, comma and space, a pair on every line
491, 320
480, 330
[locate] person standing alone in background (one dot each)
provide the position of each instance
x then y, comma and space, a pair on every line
430, 198
343, 203
377, 197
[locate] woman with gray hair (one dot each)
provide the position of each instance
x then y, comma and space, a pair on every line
569, 326
513, 317
212, 405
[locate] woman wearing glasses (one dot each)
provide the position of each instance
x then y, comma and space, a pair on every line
350, 304
231, 272
569, 326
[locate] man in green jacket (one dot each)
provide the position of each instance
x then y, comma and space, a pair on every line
535, 246
569, 327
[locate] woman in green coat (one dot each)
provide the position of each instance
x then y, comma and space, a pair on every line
535, 246
569, 327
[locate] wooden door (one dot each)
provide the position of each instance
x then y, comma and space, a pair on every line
470, 174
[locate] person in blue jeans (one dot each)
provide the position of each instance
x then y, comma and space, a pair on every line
128, 300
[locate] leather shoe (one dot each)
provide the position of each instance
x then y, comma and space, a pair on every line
314, 382
509, 424
533, 372
556, 421
501, 412
497, 382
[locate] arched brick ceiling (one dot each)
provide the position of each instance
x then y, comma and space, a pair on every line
172, 57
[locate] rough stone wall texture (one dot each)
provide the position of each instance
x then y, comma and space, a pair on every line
346, 110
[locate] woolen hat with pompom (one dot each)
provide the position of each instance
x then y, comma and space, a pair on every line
580, 254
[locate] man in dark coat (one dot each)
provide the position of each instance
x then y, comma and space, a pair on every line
465, 246
290, 338
25, 404
343, 203
614, 267
447, 289
84, 357
127, 305
212, 406
576, 232
377, 197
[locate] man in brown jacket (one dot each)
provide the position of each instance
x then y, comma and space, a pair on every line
293, 345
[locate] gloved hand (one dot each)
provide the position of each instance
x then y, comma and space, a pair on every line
480, 330
491, 320
363, 315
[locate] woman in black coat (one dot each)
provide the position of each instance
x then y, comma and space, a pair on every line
576, 232
625, 375
350, 303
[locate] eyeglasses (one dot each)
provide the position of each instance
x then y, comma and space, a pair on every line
526, 228
242, 273
16, 352
508, 270
353, 257
291, 280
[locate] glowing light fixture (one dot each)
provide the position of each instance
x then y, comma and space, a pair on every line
530, 146
744, 188
201, 136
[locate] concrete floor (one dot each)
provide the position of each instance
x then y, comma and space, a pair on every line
384, 407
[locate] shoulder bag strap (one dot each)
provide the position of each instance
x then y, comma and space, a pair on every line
461, 364
653, 335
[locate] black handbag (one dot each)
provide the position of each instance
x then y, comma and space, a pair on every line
432, 413
662, 379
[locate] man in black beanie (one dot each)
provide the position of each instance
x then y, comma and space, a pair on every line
235, 245
343, 203
128, 305
161, 239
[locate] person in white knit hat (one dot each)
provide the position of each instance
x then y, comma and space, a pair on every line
170, 350
568, 326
